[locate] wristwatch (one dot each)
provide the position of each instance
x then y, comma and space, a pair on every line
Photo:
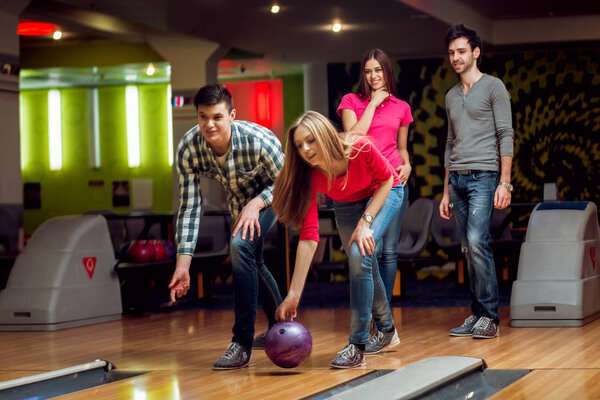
367, 217
507, 186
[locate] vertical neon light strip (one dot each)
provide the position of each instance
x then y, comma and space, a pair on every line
94, 128
54, 130
133, 125
170, 123
21, 130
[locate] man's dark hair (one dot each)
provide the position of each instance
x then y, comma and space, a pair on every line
458, 31
210, 95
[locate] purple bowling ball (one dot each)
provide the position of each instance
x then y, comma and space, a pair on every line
288, 344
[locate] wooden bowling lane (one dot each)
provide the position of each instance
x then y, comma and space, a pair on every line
581, 384
178, 349
249, 383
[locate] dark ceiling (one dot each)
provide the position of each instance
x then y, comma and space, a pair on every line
301, 31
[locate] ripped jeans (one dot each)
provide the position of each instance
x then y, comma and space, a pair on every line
472, 200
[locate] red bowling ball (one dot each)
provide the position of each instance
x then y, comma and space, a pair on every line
288, 344
160, 251
141, 251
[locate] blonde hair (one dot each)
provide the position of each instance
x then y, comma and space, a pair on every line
293, 187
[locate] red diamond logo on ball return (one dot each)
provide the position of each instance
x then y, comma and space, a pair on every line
89, 263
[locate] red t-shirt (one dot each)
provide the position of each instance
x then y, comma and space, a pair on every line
366, 170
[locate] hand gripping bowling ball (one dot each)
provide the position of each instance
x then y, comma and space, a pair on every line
288, 344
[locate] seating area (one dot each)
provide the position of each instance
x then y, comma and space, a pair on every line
426, 239
11, 221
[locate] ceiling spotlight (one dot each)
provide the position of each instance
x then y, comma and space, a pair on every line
57, 35
275, 8
150, 70
336, 27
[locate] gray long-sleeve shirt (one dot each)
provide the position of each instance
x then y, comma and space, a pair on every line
479, 123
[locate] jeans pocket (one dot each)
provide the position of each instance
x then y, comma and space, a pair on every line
485, 176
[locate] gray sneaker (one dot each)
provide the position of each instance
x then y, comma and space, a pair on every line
350, 357
381, 340
485, 328
236, 356
259, 340
466, 329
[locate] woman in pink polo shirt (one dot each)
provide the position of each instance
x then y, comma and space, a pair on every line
374, 110
367, 194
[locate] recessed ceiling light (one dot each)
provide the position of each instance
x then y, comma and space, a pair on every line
336, 27
150, 70
275, 8
57, 35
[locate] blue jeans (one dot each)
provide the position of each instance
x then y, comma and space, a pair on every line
250, 272
472, 200
387, 250
367, 293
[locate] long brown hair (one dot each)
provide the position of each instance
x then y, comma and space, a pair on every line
292, 194
364, 90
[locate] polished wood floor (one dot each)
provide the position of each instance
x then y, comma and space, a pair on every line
178, 349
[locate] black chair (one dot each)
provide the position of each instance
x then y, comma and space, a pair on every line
414, 236
136, 228
445, 235
276, 253
11, 220
212, 249
506, 249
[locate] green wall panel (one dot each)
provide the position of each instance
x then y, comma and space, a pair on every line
68, 191
293, 98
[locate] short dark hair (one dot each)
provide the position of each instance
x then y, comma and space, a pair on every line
458, 31
364, 90
210, 95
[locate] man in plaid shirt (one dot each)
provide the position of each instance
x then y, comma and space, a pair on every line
245, 158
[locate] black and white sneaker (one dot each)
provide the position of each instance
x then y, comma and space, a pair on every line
485, 328
350, 357
381, 340
236, 356
466, 329
259, 340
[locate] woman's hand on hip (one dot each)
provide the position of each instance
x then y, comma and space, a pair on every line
404, 172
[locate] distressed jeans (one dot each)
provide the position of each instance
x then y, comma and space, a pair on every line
367, 293
250, 272
472, 200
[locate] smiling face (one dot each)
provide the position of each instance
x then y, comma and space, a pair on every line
215, 123
374, 74
307, 147
462, 57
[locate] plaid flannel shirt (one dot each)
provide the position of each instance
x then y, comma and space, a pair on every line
252, 164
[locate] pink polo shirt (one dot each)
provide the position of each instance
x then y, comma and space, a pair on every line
366, 170
389, 117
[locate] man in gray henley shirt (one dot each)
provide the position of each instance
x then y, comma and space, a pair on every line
478, 160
